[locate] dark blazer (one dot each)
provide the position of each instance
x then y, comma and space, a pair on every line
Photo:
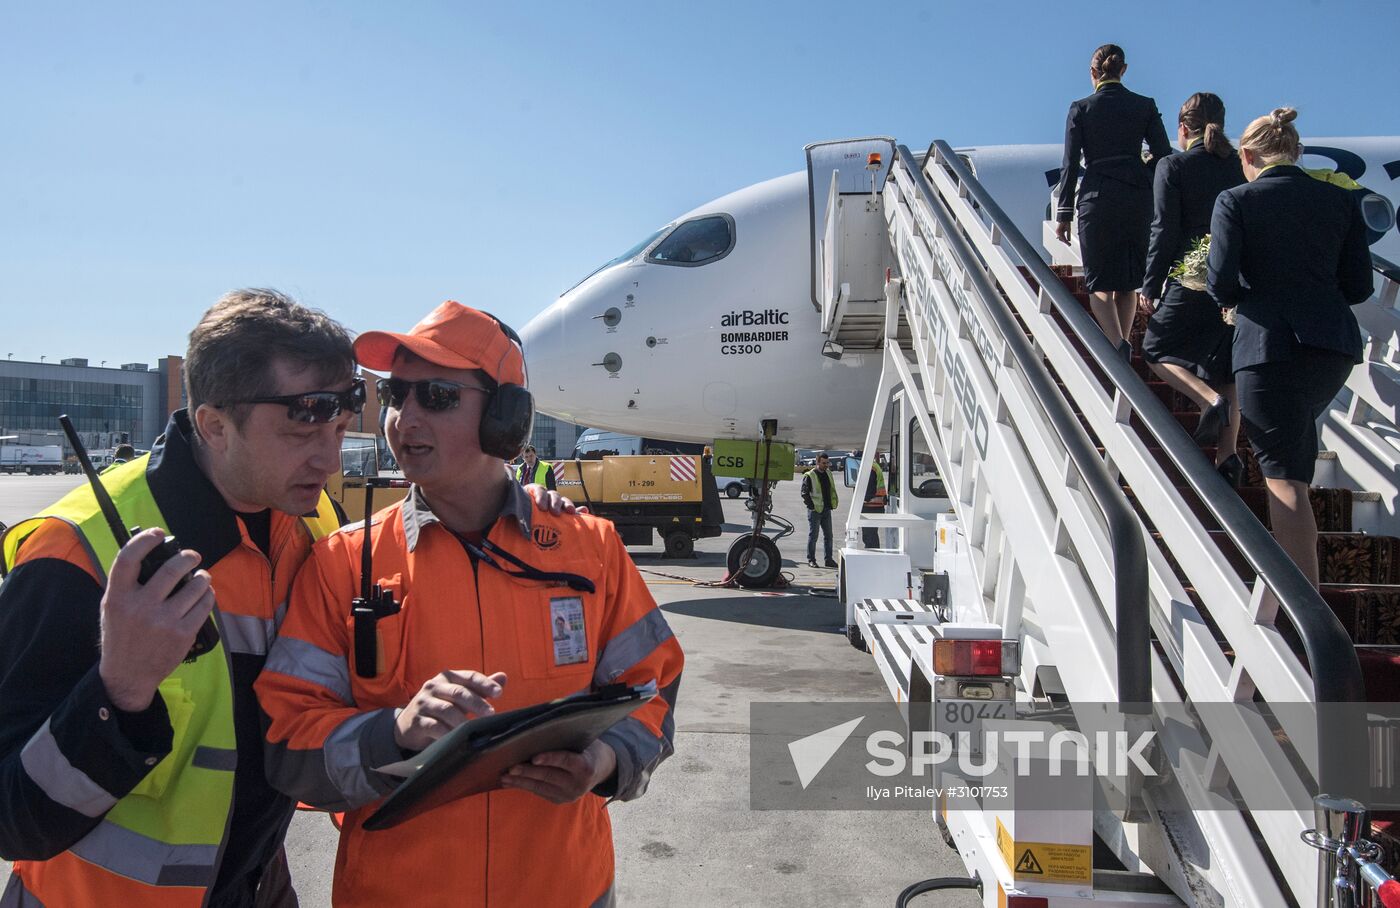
1108, 129
1183, 195
1290, 251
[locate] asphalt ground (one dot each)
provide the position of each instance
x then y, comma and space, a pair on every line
693, 840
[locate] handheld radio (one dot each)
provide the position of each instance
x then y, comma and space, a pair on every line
373, 602
208, 636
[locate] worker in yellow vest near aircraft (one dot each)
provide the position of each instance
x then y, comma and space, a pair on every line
131, 774
876, 494
532, 469
819, 495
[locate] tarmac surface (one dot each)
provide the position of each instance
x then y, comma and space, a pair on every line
693, 839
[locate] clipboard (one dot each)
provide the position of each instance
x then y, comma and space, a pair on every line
471, 758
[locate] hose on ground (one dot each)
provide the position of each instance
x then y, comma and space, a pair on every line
937, 883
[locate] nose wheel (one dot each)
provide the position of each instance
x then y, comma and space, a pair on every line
754, 561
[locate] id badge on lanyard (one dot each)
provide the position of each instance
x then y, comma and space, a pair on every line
569, 631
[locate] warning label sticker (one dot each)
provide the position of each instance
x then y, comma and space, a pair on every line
1045, 862
1028, 864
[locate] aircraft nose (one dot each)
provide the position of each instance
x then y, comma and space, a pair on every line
546, 356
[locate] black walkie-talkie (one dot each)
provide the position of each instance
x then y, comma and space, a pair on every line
373, 602
208, 636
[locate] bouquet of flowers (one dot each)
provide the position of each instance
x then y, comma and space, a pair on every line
1190, 272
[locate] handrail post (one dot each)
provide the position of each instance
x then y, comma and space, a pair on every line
1129, 551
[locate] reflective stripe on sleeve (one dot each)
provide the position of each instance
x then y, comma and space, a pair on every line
130, 854
48, 768
309, 662
349, 754
246, 634
639, 750
631, 646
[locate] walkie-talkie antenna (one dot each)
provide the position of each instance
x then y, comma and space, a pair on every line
99, 491
366, 558
373, 602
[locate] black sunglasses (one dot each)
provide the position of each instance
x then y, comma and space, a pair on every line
433, 394
316, 406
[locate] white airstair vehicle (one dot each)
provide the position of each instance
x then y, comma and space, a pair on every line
1094, 556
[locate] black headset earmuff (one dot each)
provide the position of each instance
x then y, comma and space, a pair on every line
510, 411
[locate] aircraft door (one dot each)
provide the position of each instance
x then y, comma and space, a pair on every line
849, 239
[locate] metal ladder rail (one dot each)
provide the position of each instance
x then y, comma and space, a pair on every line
1200, 663
1362, 432
1129, 552
1324, 639
1052, 295
1252, 882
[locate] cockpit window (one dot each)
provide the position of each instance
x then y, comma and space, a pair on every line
696, 242
629, 254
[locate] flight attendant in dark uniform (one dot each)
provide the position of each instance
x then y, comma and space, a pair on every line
1187, 342
1290, 253
1115, 203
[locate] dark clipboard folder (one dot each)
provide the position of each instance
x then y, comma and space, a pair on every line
471, 758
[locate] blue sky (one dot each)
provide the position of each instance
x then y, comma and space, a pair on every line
374, 159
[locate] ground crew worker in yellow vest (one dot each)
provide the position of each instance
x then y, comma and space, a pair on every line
532, 469
120, 455
497, 605
129, 774
876, 494
819, 495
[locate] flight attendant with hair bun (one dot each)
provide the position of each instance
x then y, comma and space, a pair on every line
1114, 204
1187, 344
1289, 252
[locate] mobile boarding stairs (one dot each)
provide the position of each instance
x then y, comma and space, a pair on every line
1083, 542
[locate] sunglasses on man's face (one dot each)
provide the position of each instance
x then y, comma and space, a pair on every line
316, 406
432, 394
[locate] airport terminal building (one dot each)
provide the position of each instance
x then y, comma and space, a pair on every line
554, 438
108, 404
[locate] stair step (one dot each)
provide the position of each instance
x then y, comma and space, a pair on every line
1332, 508
1369, 612
1380, 666
1343, 558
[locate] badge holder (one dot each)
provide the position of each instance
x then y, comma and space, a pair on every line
373, 602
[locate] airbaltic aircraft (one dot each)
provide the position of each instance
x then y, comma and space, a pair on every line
709, 325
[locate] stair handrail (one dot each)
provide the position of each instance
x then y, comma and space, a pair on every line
1335, 670
1385, 267
1129, 551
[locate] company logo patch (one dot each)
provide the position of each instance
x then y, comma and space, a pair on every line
545, 537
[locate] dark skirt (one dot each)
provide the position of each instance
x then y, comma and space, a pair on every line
1114, 218
1280, 403
1187, 331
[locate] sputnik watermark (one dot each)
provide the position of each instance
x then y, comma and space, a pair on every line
1077, 756
1112, 754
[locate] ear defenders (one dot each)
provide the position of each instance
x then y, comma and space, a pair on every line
509, 414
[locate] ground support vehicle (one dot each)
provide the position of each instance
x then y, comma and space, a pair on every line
32, 460
672, 495
364, 455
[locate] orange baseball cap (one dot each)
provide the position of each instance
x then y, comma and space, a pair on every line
454, 336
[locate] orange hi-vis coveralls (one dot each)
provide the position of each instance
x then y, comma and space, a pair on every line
331, 728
